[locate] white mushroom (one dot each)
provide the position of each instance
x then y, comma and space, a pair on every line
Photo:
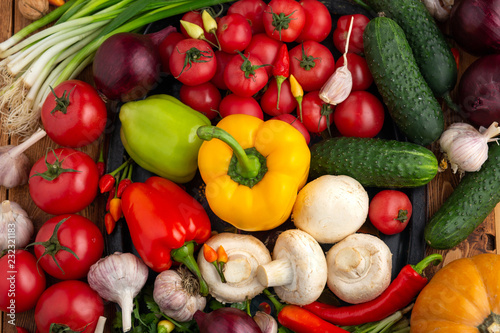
359, 268
245, 253
298, 271
330, 208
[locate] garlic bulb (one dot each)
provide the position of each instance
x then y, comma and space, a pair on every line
118, 278
465, 147
16, 227
439, 9
177, 294
266, 323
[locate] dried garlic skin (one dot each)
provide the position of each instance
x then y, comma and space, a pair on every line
338, 87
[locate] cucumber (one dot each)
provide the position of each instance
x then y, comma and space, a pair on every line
374, 162
411, 103
430, 49
467, 207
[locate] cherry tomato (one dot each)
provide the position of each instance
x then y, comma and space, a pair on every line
245, 75
21, 282
360, 115
70, 304
166, 48
252, 10
204, 98
193, 62
222, 59
284, 20
234, 33
318, 21
81, 121
234, 104
356, 40
362, 78
265, 49
269, 99
312, 64
295, 122
194, 16
68, 192
76, 233
316, 114
390, 211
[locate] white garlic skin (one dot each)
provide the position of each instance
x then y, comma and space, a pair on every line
266, 323
14, 171
338, 87
465, 147
175, 299
15, 225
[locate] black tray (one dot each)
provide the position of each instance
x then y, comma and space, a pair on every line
407, 247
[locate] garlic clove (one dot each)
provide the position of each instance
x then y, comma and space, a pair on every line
338, 87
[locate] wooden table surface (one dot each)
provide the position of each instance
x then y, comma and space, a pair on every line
482, 240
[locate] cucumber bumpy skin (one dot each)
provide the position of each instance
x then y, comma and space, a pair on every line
430, 48
374, 162
411, 103
467, 207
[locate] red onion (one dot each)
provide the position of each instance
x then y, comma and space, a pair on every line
226, 320
127, 65
475, 26
479, 91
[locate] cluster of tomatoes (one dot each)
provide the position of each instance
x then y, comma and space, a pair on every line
233, 68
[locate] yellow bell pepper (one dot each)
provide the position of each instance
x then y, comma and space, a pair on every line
253, 170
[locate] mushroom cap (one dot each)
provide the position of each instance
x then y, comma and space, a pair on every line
245, 253
359, 268
330, 208
308, 263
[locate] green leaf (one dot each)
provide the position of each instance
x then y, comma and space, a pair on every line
241, 306
215, 304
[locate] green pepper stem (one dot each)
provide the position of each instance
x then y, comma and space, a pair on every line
185, 255
435, 258
248, 166
273, 300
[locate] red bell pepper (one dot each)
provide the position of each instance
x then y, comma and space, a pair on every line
165, 222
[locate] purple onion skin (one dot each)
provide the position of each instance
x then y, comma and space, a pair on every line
475, 26
226, 320
126, 67
479, 91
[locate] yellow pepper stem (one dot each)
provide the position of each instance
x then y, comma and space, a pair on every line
248, 166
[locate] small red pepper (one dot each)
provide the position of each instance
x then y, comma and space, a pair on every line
165, 223
101, 167
107, 181
281, 69
211, 256
115, 208
109, 223
110, 197
405, 287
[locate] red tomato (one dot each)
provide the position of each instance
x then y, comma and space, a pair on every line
295, 122
222, 59
81, 121
69, 191
318, 21
316, 114
76, 233
234, 33
252, 10
312, 64
234, 104
284, 20
390, 211
71, 304
265, 49
245, 75
194, 16
360, 115
166, 48
193, 62
204, 98
269, 99
21, 282
356, 40
362, 78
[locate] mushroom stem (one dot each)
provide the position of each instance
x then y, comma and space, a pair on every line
276, 273
352, 262
237, 268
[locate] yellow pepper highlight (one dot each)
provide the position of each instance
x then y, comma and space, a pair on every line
280, 174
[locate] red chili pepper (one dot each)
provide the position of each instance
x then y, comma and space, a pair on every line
101, 167
456, 55
281, 69
300, 320
165, 222
107, 181
109, 223
399, 294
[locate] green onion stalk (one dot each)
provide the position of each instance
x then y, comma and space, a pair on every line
31, 62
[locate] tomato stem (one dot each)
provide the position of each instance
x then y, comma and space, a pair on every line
62, 102
53, 170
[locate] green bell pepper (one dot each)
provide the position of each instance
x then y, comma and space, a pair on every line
159, 134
